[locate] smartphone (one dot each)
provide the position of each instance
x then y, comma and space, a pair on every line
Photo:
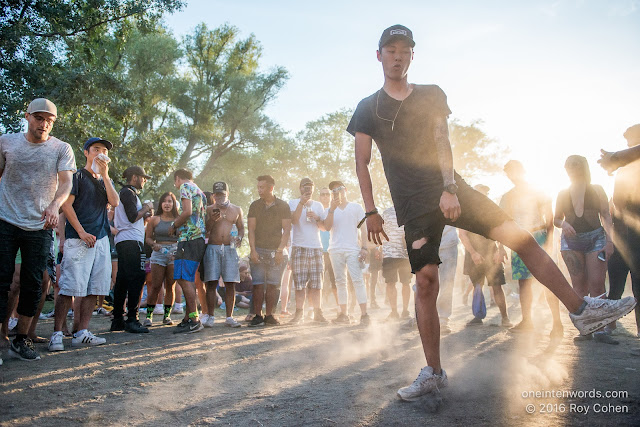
602, 256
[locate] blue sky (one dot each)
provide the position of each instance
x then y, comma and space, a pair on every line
548, 78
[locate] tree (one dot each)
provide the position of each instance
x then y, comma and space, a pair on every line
222, 96
34, 37
474, 153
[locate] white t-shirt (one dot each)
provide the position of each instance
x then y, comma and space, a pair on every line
306, 233
344, 231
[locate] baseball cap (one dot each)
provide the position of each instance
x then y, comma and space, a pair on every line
95, 140
42, 105
220, 187
396, 32
134, 170
305, 182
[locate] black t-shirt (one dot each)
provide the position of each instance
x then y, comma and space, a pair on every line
90, 206
408, 152
269, 222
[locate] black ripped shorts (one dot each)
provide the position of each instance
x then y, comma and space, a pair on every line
478, 215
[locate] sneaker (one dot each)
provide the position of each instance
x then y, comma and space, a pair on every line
193, 326
506, 323
182, 327
117, 325
600, 312
342, 319
522, 327
55, 343
13, 322
208, 322
100, 311
318, 317
134, 327
232, 323
23, 350
365, 320
393, 317
604, 338
474, 322
159, 309
298, 318
177, 309
271, 321
147, 322
257, 321
167, 321
426, 382
86, 338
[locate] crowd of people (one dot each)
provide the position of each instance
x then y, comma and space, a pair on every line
112, 245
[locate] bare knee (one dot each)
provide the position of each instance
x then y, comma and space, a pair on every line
427, 285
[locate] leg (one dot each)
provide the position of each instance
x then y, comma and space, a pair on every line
392, 295
202, 296
447, 275
189, 292
211, 296
63, 302
539, 263
86, 309
46, 282
427, 314
258, 299
230, 298
154, 286
353, 264
498, 294
273, 293
596, 273
575, 263
526, 299
339, 263
406, 296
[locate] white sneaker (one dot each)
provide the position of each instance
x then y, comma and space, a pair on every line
85, 337
203, 317
177, 309
159, 309
600, 312
13, 321
232, 323
147, 322
142, 310
426, 382
55, 343
208, 321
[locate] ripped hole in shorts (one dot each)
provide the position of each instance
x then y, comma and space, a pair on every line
419, 243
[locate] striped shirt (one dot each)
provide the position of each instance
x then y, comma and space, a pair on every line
396, 246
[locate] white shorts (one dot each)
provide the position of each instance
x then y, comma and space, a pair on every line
85, 271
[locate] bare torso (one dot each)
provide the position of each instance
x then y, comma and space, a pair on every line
219, 231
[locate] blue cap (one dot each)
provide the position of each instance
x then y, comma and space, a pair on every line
95, 139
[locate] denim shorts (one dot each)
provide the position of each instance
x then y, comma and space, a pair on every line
221, 261
267, 271
165, 255
591, 241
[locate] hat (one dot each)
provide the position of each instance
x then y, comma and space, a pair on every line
94, 140
220, 187
396, 32
42, 105
305, 182
134, 170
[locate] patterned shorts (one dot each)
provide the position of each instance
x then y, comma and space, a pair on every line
307, 267
519, 271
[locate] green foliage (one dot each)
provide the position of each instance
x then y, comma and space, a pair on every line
474, 153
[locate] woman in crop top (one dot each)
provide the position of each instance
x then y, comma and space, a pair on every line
164, 248
581, 212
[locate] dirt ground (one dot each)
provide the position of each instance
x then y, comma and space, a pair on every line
324, 376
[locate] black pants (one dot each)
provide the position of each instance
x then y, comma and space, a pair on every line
130, 278
621, 263
34, 248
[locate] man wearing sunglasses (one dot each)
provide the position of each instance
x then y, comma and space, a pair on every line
35, 172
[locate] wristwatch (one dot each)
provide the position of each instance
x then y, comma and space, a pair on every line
451, 188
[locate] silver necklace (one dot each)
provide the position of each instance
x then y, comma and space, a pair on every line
393, 122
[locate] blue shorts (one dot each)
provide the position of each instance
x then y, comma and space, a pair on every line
591, 241
221, 261
267, 271
188, 256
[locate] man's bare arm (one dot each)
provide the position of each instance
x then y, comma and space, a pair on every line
449, 204
610, 161
50, 214
363, 158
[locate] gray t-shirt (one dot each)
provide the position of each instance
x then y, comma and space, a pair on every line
30, 178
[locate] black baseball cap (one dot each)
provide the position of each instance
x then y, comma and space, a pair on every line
220, 187
95, 140
134, 170
396, 32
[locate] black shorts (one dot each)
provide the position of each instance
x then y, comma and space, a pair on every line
374, 263
479, 215
396, 270
477, 273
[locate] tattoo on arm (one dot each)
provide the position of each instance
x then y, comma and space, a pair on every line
443, 147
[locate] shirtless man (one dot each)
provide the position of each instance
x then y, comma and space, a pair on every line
221, 257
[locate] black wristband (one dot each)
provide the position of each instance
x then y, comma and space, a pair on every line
372, 212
